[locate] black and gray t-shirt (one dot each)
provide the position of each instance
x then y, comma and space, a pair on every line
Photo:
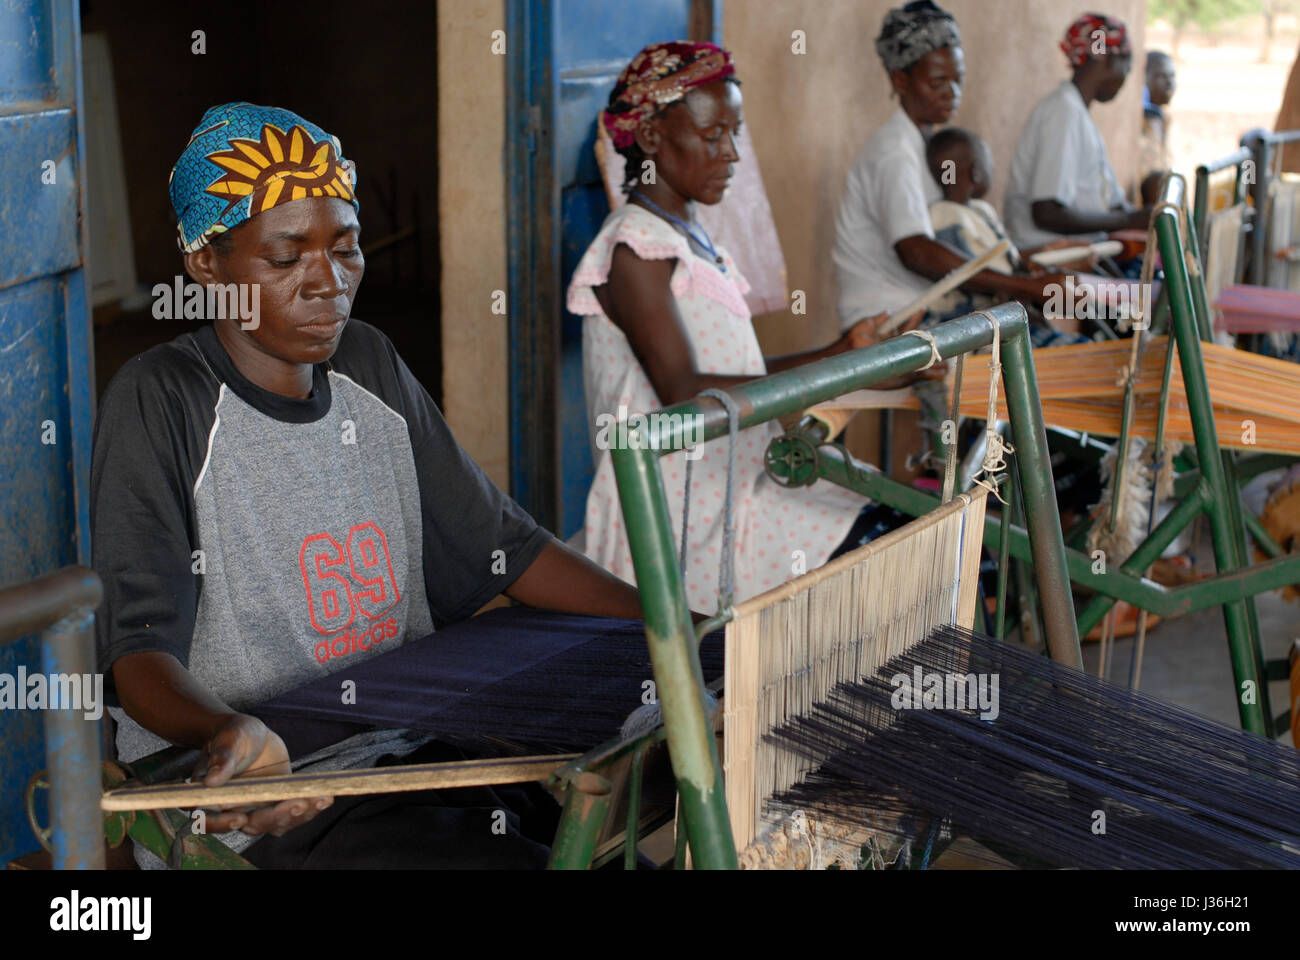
266, 541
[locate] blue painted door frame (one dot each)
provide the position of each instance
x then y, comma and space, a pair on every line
564, 56
46, 373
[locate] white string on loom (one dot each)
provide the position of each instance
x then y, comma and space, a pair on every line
996, 448
788, 648
928, 337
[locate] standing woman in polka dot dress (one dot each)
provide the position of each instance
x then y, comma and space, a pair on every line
665, 318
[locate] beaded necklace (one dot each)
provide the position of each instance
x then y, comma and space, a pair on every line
703, 241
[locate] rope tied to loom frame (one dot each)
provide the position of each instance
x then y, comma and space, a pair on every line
928, 337
726, 564
996, 448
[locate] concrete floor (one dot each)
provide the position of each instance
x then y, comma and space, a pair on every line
1186, 659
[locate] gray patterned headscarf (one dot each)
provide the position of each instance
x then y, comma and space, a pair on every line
912, 31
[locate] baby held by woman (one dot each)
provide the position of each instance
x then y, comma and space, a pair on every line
962, 165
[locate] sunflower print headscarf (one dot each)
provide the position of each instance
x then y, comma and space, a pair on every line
243, 160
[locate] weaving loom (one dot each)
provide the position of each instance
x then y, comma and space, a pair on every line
809, 640
787, 649
821, 763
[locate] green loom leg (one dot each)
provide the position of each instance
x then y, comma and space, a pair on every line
1027, 600
1186, 296
586, 804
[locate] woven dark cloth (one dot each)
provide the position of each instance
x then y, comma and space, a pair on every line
508, 680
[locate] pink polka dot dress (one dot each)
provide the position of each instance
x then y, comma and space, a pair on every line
780, 533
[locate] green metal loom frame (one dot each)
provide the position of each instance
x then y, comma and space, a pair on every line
670, 633
1212, 486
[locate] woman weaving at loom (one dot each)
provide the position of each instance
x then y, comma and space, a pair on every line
885, 252
665, 318
1061, 182
275, 500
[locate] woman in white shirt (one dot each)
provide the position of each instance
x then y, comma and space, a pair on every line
885, 249
1061, 182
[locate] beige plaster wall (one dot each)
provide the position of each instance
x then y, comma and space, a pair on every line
811, 114
471, 198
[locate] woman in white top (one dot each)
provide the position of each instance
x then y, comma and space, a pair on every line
885, 250
1061, 182
665, 318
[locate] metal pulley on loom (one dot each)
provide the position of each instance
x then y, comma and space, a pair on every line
791, 460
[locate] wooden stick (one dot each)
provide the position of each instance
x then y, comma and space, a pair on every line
1102, 248
945, 286
338, 783
835, 413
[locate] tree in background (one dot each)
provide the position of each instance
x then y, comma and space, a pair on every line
1270, 10
1205, 15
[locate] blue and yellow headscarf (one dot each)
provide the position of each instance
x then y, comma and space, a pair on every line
243, 160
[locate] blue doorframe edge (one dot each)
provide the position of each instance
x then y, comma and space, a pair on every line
533, 241
45, 516
80, 331
533, 248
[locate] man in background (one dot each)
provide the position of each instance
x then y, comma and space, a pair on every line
1153, 141
1061, 182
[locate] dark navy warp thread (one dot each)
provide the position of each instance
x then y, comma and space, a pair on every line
1072, 772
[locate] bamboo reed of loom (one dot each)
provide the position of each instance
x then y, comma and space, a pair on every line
343, 783
787, 648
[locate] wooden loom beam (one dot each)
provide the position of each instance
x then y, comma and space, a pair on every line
342, 783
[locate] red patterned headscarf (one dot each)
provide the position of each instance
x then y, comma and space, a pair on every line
661, 74
1082, 37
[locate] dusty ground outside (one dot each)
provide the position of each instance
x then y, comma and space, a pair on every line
1223, 89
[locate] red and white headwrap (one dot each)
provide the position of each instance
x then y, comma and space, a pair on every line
1094, 35
661, 74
